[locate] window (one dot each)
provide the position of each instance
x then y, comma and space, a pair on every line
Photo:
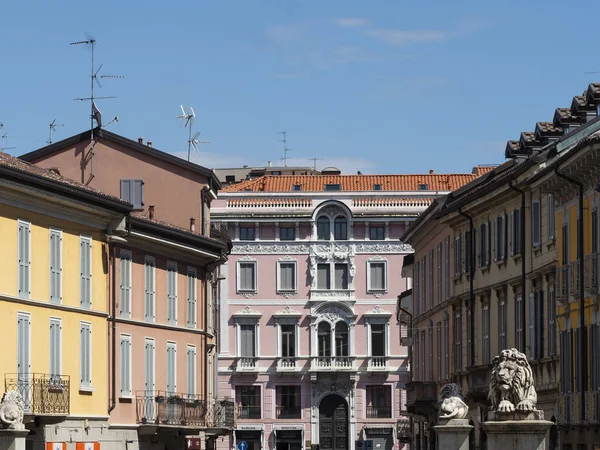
340, 228
552, 322
378, 346
439, 273
431, 272
341, 339
565, 244
341, 276
416, 287
377, 187
519, 324
551, 218
246, 233
248, 400
247, 340
192, 294
55, 266
468, 259
125, 283
333, 187
447, 268
536, 324
323, 276
536, 224
276, 172
288, 402
438, 349
149, 289
171, 368
430, 348
457, 342
457, 255
423, 187
379, 402
85, 354
416, 357
149, 366
500, 238
516, 232
55, 349
423, 349
24, 251
486, 334
377, 232
377, 276
229, 179
85, 257
323, 231
594, 233
446, 348
470, 333
324, 340
286, 276
246, 276
424, 283
23, 344
132, 191
287, 233
484, 244
577, 239
191, 370
288, 340
501, 325
125, 366
171, 293
297, 187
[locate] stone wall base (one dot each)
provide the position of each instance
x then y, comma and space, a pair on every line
454, 434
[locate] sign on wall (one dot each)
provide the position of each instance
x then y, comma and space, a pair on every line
56, 446
87, 446
193, 443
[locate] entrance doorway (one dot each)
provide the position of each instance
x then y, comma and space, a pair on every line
333, 423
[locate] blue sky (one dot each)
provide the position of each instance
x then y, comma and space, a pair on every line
378, 86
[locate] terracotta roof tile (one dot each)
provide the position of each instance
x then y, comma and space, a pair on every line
11, 162
482, 170
353, 183
547, 128
142, 217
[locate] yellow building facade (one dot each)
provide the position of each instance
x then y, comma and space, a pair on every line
54, 298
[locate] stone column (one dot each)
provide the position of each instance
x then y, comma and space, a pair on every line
454, 435
13, 439
517, 430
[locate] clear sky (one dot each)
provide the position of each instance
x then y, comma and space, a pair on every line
372, 85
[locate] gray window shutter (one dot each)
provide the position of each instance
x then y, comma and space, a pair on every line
172, 294
55, 348
191, 371
23, 344
55, 266
247, 278
191, 298
149, 293
149, 366
341, 276
85, 255
138, 193
126, 191
125, 276
287, 276
123, 367
377, 276
247, 346
24, 261
84, 356
171, 371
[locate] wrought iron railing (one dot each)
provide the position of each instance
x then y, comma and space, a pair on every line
166, 408
378, 363
574, 278
333, 362
591, 273
418, 391
562, 278
404, 432
221, 414
288, 412
379, 412
42, 394
592, 406
248, 412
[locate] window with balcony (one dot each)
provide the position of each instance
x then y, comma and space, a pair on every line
340, 228
341, 339
286, 276
379, 401
376, 232
457, 342
288, 341
552, 321
324, 276
247, 233
288, 404
323, 228
438, 349
55, 349
248, 401
247, 341
377, 276
246, 281
324, 340
287, 233
378, 340
501, 325
519, 323
486, 334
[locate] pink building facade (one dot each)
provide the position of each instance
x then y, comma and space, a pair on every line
309, 349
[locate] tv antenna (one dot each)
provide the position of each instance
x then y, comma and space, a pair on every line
90, 44
188, 116
3, 137
285, 157
314, 160
53, 126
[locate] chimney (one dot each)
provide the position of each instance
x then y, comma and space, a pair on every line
149, 143
192, 225
140, 140
430, 171
269, 163
151, 212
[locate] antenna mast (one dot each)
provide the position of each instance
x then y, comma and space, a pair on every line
53, 126
189, 116
314, 160
285, 149
3, 137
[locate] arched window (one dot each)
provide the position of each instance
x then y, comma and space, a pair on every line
340, 228
323, 231
341, 339
324, 339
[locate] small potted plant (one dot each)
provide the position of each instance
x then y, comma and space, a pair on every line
159, 399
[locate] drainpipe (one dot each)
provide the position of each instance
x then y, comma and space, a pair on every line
582, 329
523, 262
471, 288
112, 280
410, 329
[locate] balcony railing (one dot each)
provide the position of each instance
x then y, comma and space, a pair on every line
591, 273
419, 391
378, 363
379, 412
592, 406
288, 412
479, 380
287, 363
42, 394
562, 277
574, 278
166, 408
248, 412
248, 364
221, 414
333, 362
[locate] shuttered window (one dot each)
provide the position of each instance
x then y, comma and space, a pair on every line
486, 334
551, 322
438, 349
519, 324
149, 365
323, 276
439, 273
501, 326
125, 285
287, 276
55, 266
125, 366
416, 288
457, 255
85, 354
191, 296
191, 370
132, 191
377, 276
431, 280
516, 232
531, 321
172, 293
149, 289
457, 342
536, 224
247, 276
423, 285
55, 349
341, 276
171, 368
23, 343
85, 266
446, 348
447, 268
551, 219
24, 250
247, 341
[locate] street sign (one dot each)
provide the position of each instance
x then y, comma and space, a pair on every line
193, 443
368, 444
242, 445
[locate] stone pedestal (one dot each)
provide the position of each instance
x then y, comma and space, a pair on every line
13, 439
454, 434
517, 430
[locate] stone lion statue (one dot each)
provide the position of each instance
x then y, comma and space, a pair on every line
11, 410
511, 383
451, 404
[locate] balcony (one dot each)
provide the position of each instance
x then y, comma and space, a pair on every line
562, 281
421, 397
378, 364
332, 363
42, 394
591, 273
162, 408
247, 364
221, 414
287, 364
288, 412
592, 406
574, 278
248, 412
379, 412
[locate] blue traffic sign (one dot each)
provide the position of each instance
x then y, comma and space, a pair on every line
368, 444
242, 445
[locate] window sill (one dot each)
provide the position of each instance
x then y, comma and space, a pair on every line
125, 398
86, 389
500, 262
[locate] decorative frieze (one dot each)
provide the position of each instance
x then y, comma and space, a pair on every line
277, 248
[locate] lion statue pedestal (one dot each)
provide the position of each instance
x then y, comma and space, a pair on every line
513, 421
453, 426
12, 430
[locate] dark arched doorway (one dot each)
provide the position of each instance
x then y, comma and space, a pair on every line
333, 423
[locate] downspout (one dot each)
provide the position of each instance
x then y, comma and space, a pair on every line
112, 288
523, 262
471, 281
582, 329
